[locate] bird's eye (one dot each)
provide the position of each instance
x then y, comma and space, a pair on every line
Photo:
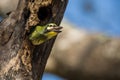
50, 25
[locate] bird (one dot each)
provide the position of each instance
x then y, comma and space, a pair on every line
41, 34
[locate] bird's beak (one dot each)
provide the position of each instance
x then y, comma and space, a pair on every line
55, 29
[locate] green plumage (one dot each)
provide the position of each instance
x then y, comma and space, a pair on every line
43, 33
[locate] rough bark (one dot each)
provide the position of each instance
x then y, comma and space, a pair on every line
19, 59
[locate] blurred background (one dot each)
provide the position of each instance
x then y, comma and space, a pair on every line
89, 46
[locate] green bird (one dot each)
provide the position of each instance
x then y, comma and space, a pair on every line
43, 33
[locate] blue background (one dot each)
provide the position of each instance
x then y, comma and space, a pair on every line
95, 15
48, 76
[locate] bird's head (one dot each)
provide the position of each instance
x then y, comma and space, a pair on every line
53, 27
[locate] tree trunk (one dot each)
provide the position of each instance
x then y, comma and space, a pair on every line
19, 59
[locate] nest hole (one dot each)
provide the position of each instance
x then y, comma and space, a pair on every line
45, 13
